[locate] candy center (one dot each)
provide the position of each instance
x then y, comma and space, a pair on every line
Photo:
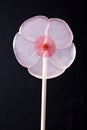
45, 45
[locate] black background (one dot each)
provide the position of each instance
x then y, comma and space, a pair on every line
20, 93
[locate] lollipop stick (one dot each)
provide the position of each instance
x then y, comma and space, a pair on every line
43, 103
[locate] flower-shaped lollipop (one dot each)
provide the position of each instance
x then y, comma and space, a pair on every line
40, 37
45, 47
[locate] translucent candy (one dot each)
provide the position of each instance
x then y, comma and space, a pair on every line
52, 36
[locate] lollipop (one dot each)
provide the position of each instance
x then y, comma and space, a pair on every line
44, 46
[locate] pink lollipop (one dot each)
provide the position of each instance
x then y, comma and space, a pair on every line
44, 46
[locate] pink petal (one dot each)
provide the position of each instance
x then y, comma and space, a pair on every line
64, 57
52, 70
34, 27
24, 51
60, 32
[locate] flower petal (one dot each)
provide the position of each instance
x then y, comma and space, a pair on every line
64, 57
52, 70
24, 51
33, 28
60, 32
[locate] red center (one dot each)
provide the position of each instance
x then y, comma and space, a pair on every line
45, 45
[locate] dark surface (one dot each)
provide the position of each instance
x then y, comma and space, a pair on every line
20, 93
